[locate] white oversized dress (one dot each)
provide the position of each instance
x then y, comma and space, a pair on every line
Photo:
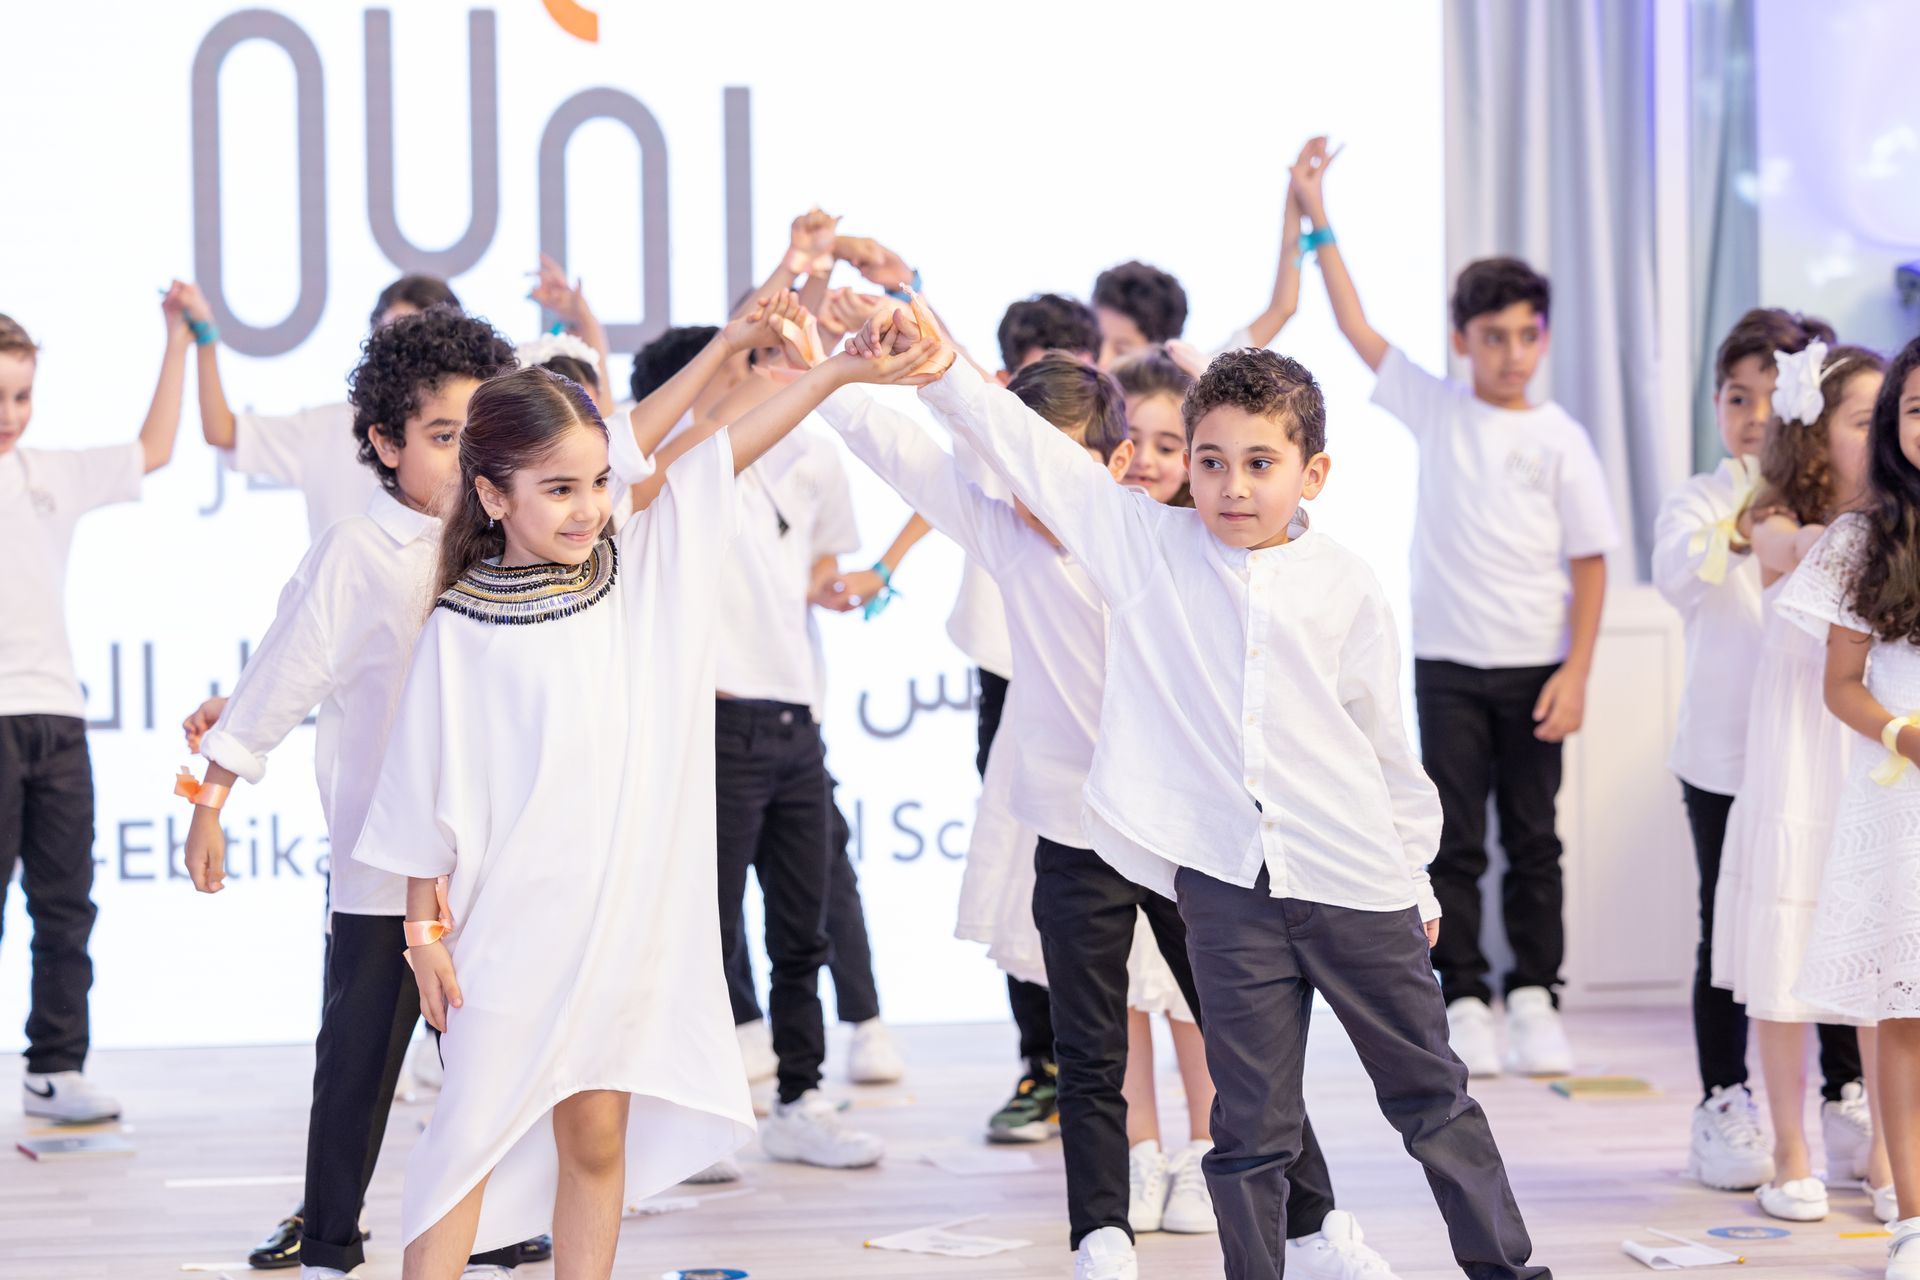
1862, 960
553, 753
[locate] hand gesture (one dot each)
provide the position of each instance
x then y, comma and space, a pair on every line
206, 851
752, 328
846, 592
1306, 175
196, 725
1561, 707
1189, 357
194, 303
846, 310
567, 301
810, 244
173, 308
795, 332
874, 261
432, 967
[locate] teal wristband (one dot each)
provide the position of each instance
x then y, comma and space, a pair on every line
903, 294
1312, 241
204, 333
876, 606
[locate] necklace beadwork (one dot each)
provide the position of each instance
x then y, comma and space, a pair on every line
533, 593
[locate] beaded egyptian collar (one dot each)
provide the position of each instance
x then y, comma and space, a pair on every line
533, 593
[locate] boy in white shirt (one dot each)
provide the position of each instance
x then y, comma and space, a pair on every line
1509, 571
312, 450
1252, 762
1702, 564
341, 639
46, 774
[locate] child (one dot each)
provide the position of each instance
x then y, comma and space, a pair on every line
1155, 384
1705, 568
1780, 828
341, 639
313, 450
1509, 571
1857, 589
1086, 911
46, 774
550, 754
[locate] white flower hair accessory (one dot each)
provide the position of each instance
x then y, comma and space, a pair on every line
1796, 396
549, 345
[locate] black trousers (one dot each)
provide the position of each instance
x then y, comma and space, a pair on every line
46, 827
1476, 738
856, 996
371, 1009
1032, 1010
1257, 961
770, 779
1720, 1022
1086, 912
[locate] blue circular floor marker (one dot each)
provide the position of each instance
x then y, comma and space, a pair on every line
1750, 1233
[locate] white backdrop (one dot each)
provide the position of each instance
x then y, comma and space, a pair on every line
1005, 149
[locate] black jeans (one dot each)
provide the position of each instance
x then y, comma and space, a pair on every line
1719, 1022
1257, 961
46, 826
856, 996
1087, 912
770, 779
1032, 1010
1476, 737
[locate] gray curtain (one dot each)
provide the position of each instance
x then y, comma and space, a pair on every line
1549, 157
1726, 217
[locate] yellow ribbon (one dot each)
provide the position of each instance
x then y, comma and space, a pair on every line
1717, 538
1890, 770
424, 933
197, 792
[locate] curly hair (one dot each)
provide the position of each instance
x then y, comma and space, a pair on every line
1886, 592
1146, 295
1494, 284
1047, 322
1794, 462
1077, 398
403, 363
1266, 384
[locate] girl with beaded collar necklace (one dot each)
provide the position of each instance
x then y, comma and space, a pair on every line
552, 754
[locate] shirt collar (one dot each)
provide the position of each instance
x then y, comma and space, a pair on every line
399, 521
1297, 536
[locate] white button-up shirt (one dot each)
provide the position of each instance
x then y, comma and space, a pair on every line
342, 639
1251, 715
1056, 620
1723, 623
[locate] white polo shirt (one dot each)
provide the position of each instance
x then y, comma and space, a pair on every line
313, 451
1506, 498
43, 494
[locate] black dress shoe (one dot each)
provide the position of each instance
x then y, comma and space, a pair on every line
281, 1249
538, 1249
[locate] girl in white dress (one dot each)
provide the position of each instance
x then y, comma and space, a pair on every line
553, 755
1859, 592
1781, 824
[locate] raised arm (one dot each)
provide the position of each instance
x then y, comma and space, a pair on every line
569, 302
1308, 175
216, 419
1265, 327
162, 425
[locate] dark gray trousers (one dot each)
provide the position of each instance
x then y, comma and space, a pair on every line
1257, 961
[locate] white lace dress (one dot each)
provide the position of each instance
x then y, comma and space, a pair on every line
1863, 957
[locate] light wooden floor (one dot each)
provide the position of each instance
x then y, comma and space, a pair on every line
1587, 1174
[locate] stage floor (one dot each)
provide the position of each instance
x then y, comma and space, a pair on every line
220, 1133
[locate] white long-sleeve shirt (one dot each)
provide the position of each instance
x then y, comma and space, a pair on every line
341, 640
1723, 624
313, 451
1251, 715
1056, 619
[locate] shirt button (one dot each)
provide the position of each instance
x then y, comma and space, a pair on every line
1251, 784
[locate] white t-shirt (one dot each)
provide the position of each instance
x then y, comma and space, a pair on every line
1507, 497
795, 507
313, 451
342, 638
1723, 624
43, 494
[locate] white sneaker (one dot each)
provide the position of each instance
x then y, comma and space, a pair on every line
1903, 1251
1886, 1205
1338, 1251
322, 1273
1470, 1032
487, 1271
1801, 1200
1729, 1150
1107, 1254
66, 1096
808, 1131
1189, 1209
872, 1059
756, 1050
1846, 1127
1536, 1039
718, 1171
1147, 1184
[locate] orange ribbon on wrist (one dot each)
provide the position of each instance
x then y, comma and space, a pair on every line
206, 795
424, 933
